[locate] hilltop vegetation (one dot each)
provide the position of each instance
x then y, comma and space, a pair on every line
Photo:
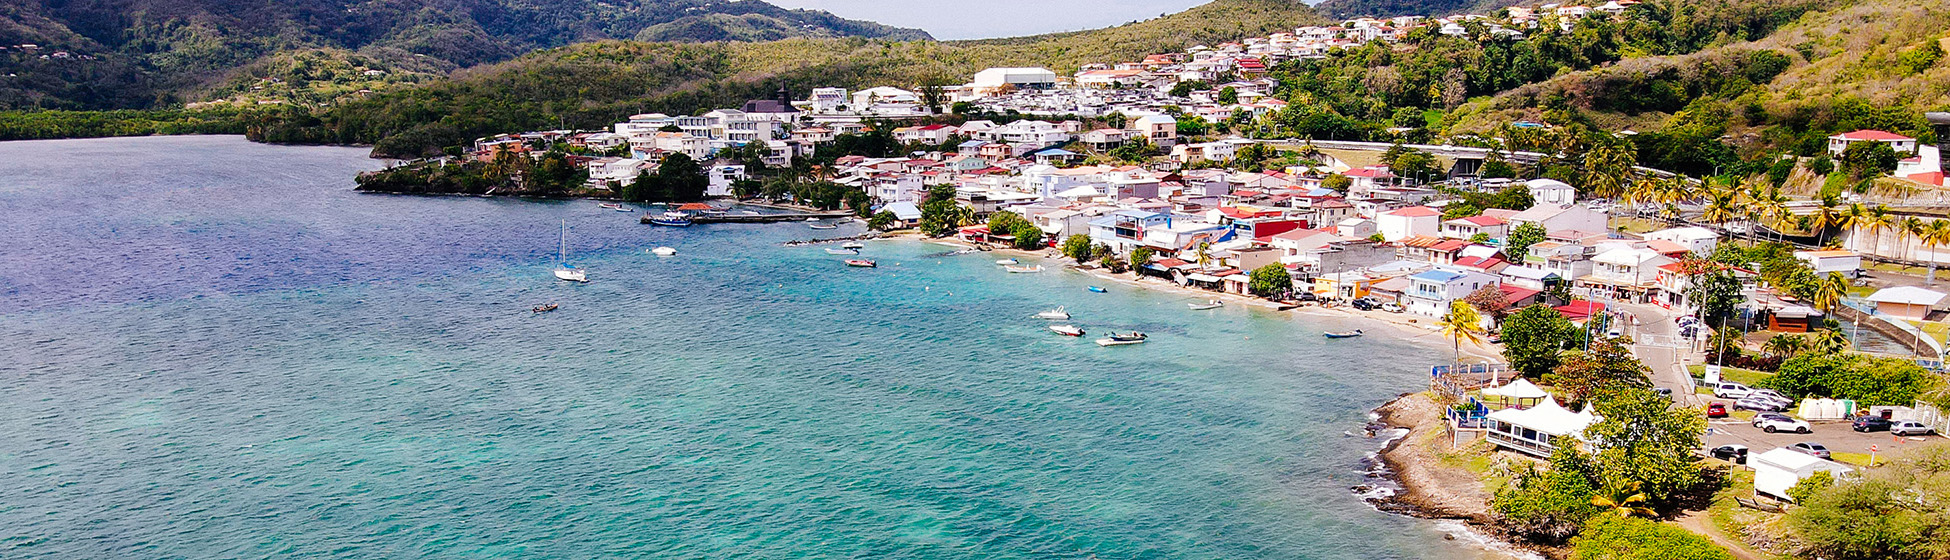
590, 85
1347, 9
147, 53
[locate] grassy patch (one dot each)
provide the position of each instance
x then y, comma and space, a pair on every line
1742, 376
1857, 459
1740, 523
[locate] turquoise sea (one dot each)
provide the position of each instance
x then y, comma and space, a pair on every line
215, 349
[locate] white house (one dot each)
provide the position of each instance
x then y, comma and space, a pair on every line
610, 172
997, 80
1160, 129
1430, 292
1778, 470
1470, 227
721, 177
1124, 230
1824, 262
1699, 240
883, 95
1625, 272
1551, 191
1556, 218
1538, 430
1408, 222
1903, 145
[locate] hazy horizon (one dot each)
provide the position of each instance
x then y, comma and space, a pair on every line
946, 19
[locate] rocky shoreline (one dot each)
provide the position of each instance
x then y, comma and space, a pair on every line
1423, 486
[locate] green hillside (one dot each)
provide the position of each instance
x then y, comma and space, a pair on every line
144, 53
593, 84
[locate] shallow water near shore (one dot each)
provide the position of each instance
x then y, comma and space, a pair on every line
212, 349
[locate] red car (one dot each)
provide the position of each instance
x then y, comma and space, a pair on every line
1716, 410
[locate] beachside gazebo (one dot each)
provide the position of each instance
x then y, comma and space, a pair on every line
1525, 393
1538, 429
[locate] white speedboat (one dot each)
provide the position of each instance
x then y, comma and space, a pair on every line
1067, 330
1057, 314
610, 206
1214, 304
1023, 269
823, 226
1006, 262
832, 251
855, 245
812, 219
1122, 339
664, 252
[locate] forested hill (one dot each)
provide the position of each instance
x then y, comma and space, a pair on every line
142, 53
1347, 9
593, 84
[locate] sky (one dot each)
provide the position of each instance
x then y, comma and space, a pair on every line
982, 19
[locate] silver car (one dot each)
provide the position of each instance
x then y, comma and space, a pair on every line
1910, 428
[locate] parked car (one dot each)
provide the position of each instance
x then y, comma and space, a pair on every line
1731, 390
1392, 307
1771, 422
1911, 428
1770, 393
1761, 403
1305, 296
1811, 448
1716, 410
1734, 453
1364, 304
1867, 424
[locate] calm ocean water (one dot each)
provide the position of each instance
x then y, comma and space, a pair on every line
214, 349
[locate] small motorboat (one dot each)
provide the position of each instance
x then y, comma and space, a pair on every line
842, 251
1122, 339
1347, 334
1099, 289
672, 219
1006, 262
544, 308
664, 252
1023, 269
1067, 330
823, 226
862, 263
1214, 304
1058, 314
621, 208
611, 206
812, 219
855, 245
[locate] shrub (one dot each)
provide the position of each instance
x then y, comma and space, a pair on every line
1612, 537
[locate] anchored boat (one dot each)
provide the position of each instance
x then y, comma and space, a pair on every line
862, 263
672, 219
1214, 304
1098, 289
1057, 314
1024, 269
1122, 339
1347, 334
1067, 330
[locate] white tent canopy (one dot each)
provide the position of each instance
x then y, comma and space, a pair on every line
1547, 417
1519, 389
1778, 470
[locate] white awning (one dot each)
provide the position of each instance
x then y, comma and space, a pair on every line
1519, 389
1201, 277
1547, 417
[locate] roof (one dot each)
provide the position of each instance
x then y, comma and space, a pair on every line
1547, 417
1528, 273
1688, 232
1514, 293
1866, 134
1823, 254
1910, 295
1449, 245
1519, 389
903, 210
1416, 212
1580, 309
1479, 221
1666, 247
1791, 460
1440, 276
1420, 241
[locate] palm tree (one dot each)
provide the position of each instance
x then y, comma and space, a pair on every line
1722, 206
1825, 216
1625, 500
1828, 341
1785, 345
1913, 227
1461, 324
1875, 221
1203, 252
1935, 234
1829, 292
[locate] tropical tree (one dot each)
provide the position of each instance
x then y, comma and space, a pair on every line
1827, 215
1827, 341
1077, 246
1874, 221
1722, 206
1829, 292
1534, 339
1936, 234
1624, 499
1460, 325
1785, 345
1270, 280
1643, 439
1141, 256
1517, 246
1608, 168
1914, 228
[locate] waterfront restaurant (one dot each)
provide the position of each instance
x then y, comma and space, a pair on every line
1537, 430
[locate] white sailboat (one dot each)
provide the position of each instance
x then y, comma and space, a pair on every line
562, 269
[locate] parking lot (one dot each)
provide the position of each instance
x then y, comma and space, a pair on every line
1835, 435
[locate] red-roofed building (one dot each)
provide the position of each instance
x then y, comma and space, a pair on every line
1903, 145
1579, 310
1519, 296
1470, 227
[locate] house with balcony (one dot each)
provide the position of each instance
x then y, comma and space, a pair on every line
1160, 129
1625, 273
1903, 145
1123, 230
1430, 292
1470, 227
1698, 240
